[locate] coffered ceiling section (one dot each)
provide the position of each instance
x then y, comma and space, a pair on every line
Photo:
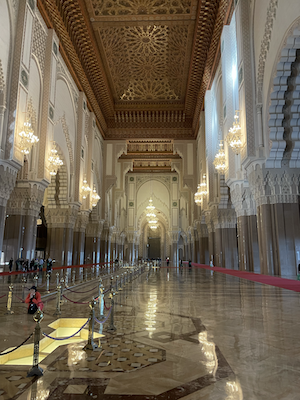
147, 59
143, 60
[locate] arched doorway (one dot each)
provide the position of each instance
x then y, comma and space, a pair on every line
154, 243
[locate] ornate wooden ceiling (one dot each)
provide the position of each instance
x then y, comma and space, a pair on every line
144, 64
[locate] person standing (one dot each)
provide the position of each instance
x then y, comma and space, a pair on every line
10, 264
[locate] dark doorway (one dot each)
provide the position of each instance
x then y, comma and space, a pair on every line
154, 247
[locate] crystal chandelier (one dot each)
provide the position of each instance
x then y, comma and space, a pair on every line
54, 161
28, 138
151, 216
220, 159
153, 224
95, 197
85, 189
234, 137
203, 187
197, 196
201, 191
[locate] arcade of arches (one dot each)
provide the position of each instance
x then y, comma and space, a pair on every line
106, 104
105, 95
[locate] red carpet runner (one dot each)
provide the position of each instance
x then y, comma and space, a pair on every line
251, 276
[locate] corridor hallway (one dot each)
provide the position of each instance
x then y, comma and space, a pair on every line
187, 334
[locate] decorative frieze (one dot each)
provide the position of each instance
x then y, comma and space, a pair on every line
274, 186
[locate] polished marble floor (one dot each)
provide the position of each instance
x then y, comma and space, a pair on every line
188, 334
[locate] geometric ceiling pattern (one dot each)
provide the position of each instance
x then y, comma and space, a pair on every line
144, 64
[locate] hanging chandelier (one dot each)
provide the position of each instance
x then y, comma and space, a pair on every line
151, 216
150, 207
153, 224
54, 161
203, 187
201, 191
28, 138
85, 189
234, 137
197, 196
95, 197
220, 159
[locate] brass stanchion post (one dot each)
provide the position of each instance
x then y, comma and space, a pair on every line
48, 282
117, 279
57, 278
101, 299
111, 283
121, 277
62, 281
9, 299
35, 279
23, 288
91, 345
36, 370
58, 311
112, 302
66, 279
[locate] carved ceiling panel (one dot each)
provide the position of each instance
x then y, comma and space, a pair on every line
146, 63
143, 64
141, 7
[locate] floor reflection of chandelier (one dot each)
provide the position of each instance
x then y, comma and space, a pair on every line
54, 161
28, 138
220, 159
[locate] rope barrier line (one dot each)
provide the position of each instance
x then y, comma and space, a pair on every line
21, 300
68, 337
2, 296
75, 302
74, 291
107, 308
10, 273
17, 347
105, 319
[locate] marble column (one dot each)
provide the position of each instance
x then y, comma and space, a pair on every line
248, 243
8, 175
12, 241
2, 225
204, 250
79, 256
174, 256
29, 237
279, 237
56, 244
23, 209
211, 245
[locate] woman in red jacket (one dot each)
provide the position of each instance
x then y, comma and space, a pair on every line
34, 300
